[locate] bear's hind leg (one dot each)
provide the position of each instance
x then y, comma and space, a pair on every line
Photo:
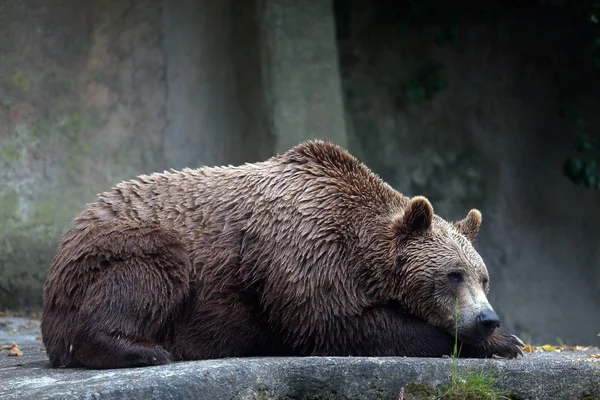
381, 331
103, 350
137, 279
126, 314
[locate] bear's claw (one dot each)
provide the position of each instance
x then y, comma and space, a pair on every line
520, 346
518, 340
504, 345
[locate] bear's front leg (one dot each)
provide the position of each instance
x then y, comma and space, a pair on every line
388, 330
381, 331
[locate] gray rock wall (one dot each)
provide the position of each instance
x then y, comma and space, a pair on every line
92, 93
82, 105
213, 74
303, 96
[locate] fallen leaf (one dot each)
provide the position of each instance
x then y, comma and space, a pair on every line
39, 337
565, 347
30, 325
5, 347
548, 347
15, 351
528, 348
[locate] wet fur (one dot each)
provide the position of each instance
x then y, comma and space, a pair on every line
306, 253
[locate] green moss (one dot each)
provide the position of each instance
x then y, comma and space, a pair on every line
465, 386
51, 213
24, 257
67, 134
28, 241
14, 147
420, 391
10, 152
73, 164
20, 80
9, 208
262, 393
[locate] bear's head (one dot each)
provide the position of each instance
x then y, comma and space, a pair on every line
443, 279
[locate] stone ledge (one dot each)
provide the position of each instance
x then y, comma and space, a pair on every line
535, 376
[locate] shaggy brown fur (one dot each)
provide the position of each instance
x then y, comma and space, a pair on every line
306, 253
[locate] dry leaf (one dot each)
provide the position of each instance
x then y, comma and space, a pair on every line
5, 347
528, 348
574, 348
15, 351
29, 325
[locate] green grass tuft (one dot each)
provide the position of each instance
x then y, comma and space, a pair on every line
469, 386
473, 386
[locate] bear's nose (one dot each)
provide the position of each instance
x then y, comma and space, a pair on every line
488, 321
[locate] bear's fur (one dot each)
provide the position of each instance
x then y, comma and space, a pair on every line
306, 253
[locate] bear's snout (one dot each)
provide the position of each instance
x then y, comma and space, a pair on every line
487, 322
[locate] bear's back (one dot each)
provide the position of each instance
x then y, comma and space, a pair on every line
313, 174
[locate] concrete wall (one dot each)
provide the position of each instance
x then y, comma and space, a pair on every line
492, 139
92, 93
247, 78
215, 102
82, 106
301, 77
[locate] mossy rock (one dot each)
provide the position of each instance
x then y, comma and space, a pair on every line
419, 391
28, 242
24, 261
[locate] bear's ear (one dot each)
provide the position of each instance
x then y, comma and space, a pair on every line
470, 225
417, 217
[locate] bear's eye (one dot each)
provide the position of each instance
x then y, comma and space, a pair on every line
455, 277
485, 282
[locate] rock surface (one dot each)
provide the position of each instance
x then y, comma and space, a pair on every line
535, 376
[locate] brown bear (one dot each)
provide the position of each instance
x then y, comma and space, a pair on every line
306, 253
